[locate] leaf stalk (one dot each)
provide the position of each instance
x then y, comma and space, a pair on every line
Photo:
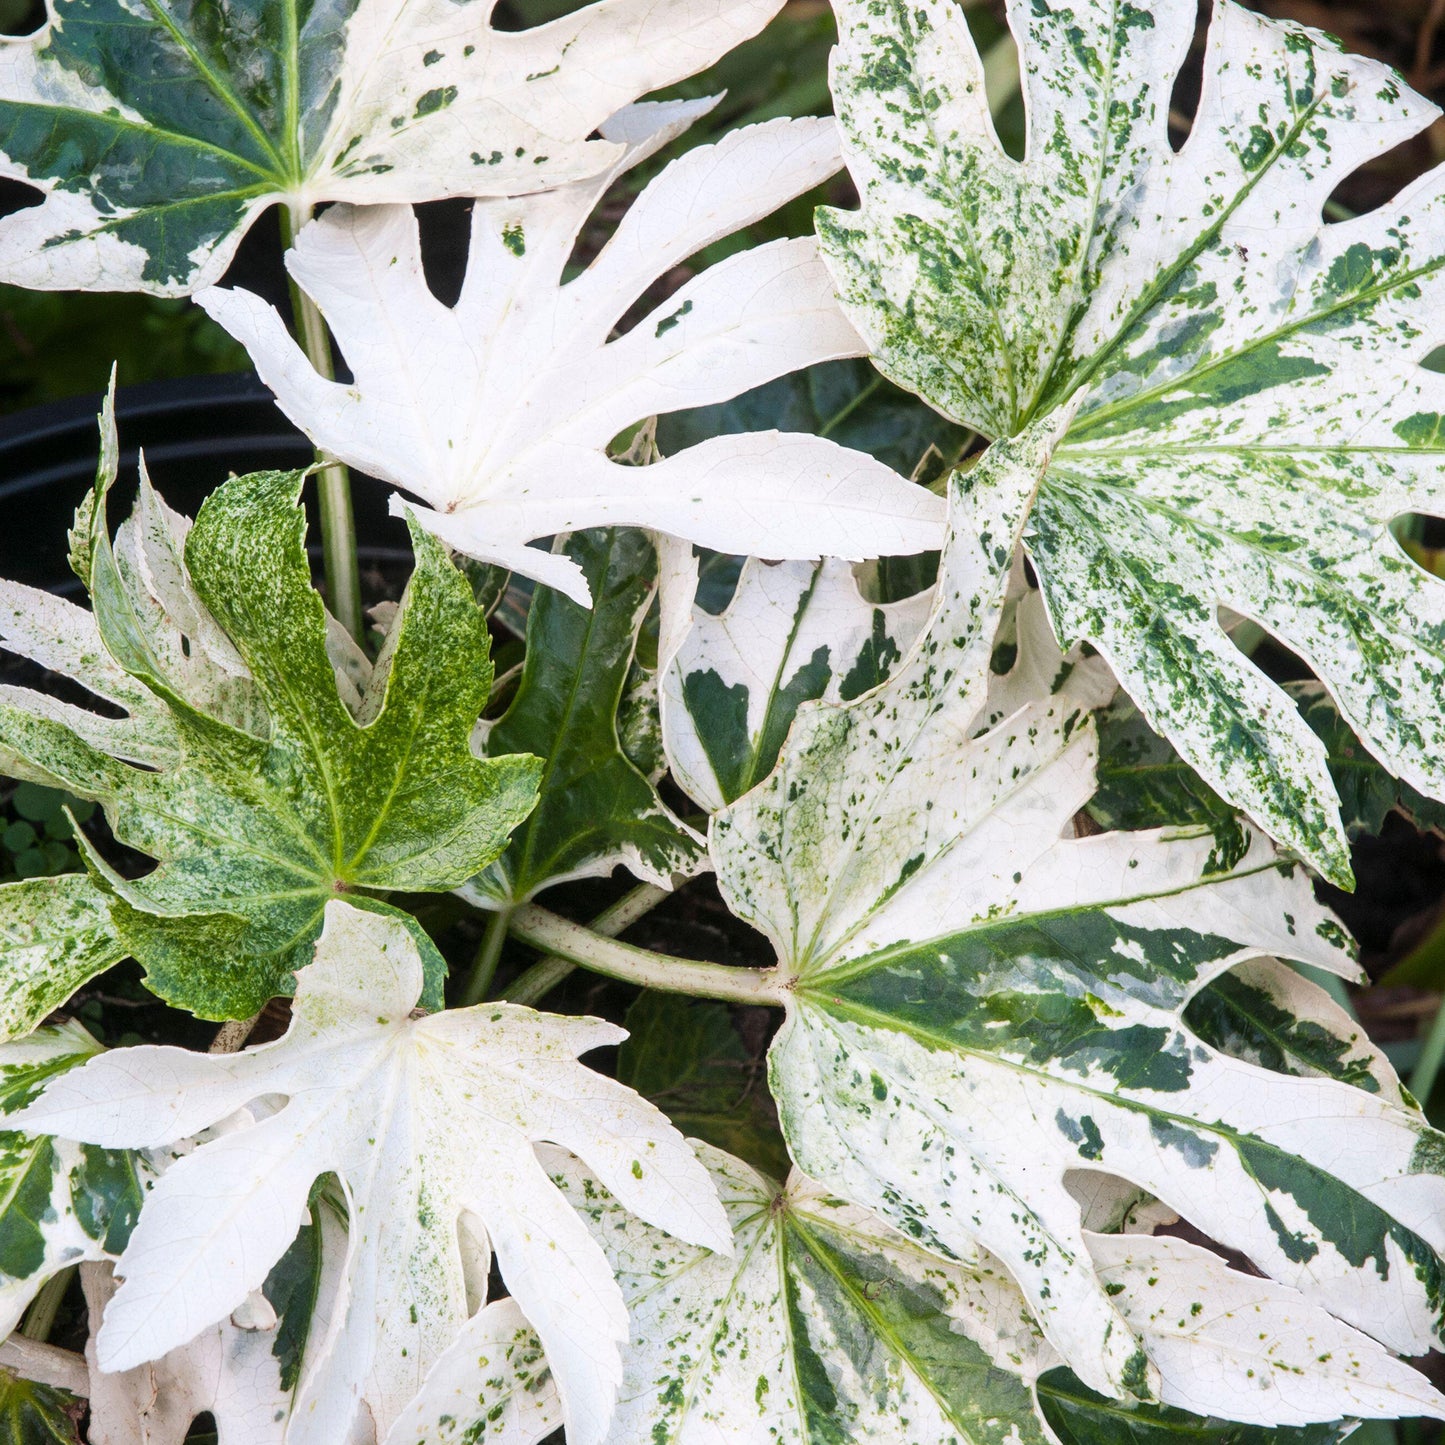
333, 479
586, 949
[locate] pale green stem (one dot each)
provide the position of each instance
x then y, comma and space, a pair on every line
489, 955
570, 941
40, 1317
333, 481
544, 976
1422, 1078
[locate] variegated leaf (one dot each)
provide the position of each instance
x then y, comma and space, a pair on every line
298, 772
1251, 411
829, 1326
425, 1120
595, 811
60, 1202
499, 411
55, 935
793, 633
158, 132
980, 1005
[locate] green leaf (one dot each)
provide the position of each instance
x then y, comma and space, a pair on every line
846, 401
981, 1005
55, 936
595, 810
32, 1414
1251, 412
159, 134
1080, 1417
793, 633
60, 1202
687, 1057
282, 796
826, 1327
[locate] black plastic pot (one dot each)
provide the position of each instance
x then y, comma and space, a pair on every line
195, 433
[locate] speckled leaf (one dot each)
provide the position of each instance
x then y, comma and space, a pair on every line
1144, 783
828, 1326
159, 132
1265, 1012
499, 412
32, 1414
55, 935
254, 833
595, 811
794, 632
979, 1003
424, 1120
60, 1202
1251, 409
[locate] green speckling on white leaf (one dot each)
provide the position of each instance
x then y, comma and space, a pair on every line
828, 1326
159, 133
983, 1005
1251, 409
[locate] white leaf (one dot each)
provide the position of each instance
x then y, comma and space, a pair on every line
424, 1120
499, 411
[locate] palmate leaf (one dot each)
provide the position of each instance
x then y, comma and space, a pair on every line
1251, 409
60, 1202
500, 412
980, 1005
425, 1120
159, 132
595, 810
828, 1326
273, 795
793, 633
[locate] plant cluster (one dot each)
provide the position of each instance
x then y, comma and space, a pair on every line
1068, 1134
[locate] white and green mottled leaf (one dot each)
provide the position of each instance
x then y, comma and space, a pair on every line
595, 810
55, 935
254, 831
1251, 414
829, 1326
1265, 1012
499, 411
158, 133
794, 632
60, 1202
981, 1004
424, 1120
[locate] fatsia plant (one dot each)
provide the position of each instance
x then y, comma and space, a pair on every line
1249, 409
499, 411
159, 135
1026, 1102
263, 793
424, 1121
